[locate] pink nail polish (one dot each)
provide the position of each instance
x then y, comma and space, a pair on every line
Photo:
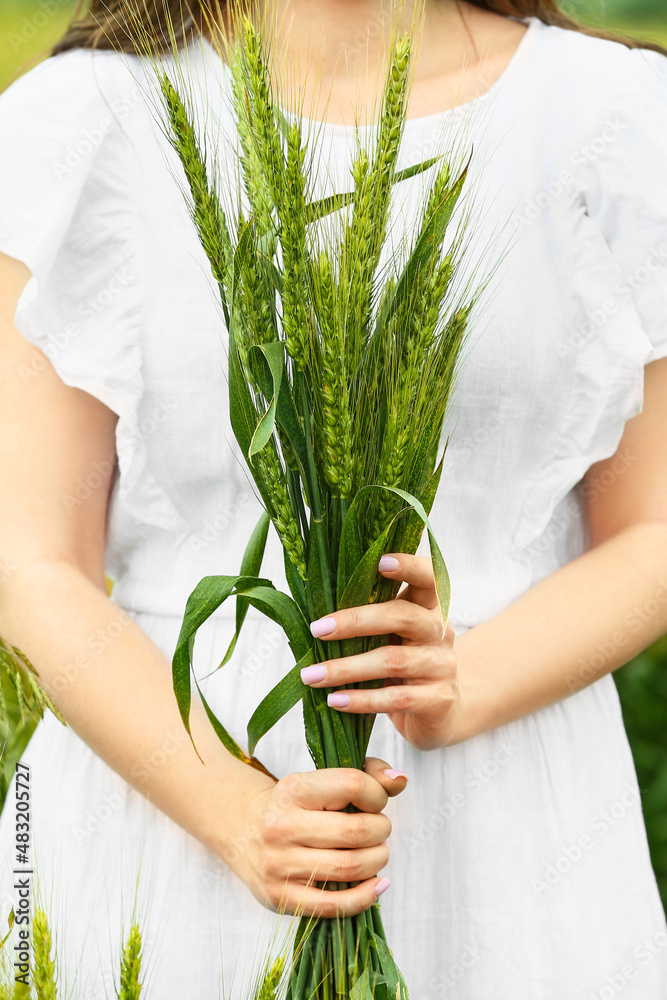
388, 564
322, 627
391, 772
338, 699
314, 674
381, 887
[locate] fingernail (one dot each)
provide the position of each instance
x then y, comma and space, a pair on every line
381, 887
338, 699
391, 772
388, 564
311, 675
323, 626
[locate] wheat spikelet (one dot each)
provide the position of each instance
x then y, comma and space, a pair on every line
336, 419
269, 987
257, 326
130, 966
31, 697
4, 714
44, 970
439, 190
432, 307
267, 464
20, 693
261, 116
286, 180
420, 320
366, 233
292, 213
206, 210
254, 181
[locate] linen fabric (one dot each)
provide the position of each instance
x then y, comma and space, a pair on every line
519, 862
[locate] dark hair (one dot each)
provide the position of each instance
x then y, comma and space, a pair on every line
116, 24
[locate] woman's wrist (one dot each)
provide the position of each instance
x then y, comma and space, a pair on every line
231, 818
470, 713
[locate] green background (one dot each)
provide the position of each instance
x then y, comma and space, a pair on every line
28, 27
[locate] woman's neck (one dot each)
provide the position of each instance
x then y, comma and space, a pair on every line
329, 56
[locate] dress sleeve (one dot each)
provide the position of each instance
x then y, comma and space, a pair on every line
69, 177
66, 212
619, 274
626, 189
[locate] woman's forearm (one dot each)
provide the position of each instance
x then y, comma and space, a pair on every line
583, 621
113, 686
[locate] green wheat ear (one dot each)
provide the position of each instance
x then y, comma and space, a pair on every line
44, 971
130, 967
269, 988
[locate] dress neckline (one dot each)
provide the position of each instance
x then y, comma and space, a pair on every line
518, 59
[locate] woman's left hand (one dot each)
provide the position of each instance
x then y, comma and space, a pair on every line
420, 693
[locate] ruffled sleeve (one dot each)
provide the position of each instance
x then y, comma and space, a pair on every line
626, 189
616, 279
68, 187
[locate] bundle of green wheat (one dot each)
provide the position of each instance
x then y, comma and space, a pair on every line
340, 372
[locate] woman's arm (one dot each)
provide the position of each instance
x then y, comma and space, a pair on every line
113, 685
583, 621
596, 613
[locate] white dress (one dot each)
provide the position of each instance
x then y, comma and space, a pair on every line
519, 862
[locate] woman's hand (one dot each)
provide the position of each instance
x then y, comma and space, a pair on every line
420, 693
293, 835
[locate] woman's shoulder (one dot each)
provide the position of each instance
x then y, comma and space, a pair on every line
67, 106
592, 70
79, 80
69, 165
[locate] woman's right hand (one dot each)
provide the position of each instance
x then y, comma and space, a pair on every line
294, 835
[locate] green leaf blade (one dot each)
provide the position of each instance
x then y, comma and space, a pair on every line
287, 693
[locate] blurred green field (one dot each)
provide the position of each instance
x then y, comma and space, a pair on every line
28, 27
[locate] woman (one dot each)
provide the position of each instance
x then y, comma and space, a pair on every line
519, 863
